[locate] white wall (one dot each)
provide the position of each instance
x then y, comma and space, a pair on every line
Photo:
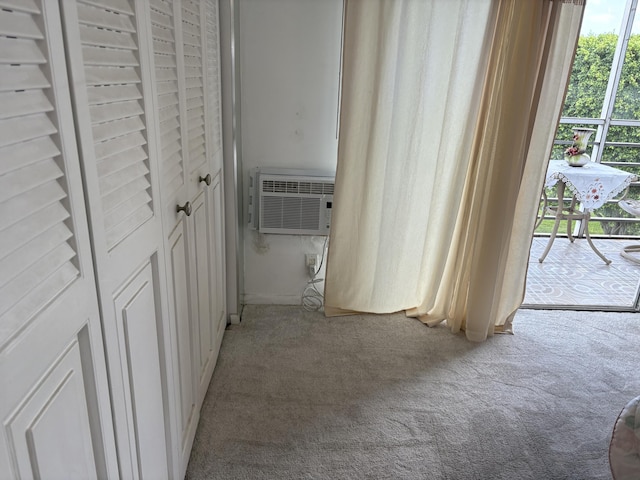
289, 66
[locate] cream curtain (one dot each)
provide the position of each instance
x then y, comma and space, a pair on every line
448, 114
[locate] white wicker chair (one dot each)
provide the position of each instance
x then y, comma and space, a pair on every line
633, 207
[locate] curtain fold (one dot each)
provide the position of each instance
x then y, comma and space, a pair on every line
448, 115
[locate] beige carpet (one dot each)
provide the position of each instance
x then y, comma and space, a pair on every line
298, 396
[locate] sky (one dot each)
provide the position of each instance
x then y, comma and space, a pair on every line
604, 16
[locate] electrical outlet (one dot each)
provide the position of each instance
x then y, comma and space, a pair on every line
312, 260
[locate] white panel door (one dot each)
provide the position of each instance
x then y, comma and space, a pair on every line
204, 328
216, 242
54, 406
110, 55
185, 388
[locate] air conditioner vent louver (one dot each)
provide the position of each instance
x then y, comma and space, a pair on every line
288, 201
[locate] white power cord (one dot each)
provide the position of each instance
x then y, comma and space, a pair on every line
312, 298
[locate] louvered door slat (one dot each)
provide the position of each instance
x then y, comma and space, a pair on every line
198, 152
171, 156
191, 61
160, 19
166, 74
162, 6
23, 103
191, 50
112, 183
33, 275
99, 16
190, 72
191, 7
17, 51
21, 77
194, 103
170, 122
167, 100
162, 47
28, 203
161, 32
111, 94
26, 153
165, 61
50, 287
20, 129
112, 111
117, 162
165, 87
31, 227
117, 128
118, 231
31, 252
109, 57
191, 13
193, 82
119, 145
194, 95
190, 18
196, 123
25, 6
128, 190
27, 178
173, 184
106, 38
168, 116
191, 35
119, 6
172, 173
17, 25
171, 146
129, 205
109, 76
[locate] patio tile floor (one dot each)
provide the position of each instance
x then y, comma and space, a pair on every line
573, 275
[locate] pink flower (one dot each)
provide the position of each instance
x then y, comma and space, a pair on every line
572, 151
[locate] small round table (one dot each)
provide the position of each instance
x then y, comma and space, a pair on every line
591, 186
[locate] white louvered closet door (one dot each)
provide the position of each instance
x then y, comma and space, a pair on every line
109, 47
190, 179
201, 58
202, 149
54, 404
169, 87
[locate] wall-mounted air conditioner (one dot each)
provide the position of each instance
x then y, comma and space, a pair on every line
290, 201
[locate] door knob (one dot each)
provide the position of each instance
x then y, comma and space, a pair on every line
186, 208
206, 179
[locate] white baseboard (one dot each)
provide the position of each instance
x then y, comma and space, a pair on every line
266, 299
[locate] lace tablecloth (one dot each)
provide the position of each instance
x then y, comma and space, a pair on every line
593, 185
